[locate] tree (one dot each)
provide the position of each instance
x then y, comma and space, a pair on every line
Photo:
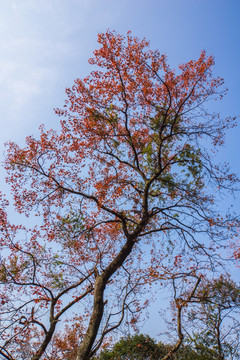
216, 318
143, 347
137, 347
125, 190
205, 317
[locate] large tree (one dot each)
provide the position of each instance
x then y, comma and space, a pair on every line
125, 189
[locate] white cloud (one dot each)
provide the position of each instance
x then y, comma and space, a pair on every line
44, 45
24, 73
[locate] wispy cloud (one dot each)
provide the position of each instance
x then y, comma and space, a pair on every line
30, 62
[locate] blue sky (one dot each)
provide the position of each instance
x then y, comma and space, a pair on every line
45, 45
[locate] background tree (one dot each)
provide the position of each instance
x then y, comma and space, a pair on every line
215, 320
125, 188
143, 347
205, 316
131, 348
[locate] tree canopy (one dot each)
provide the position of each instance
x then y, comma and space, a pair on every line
143, 347
127, 193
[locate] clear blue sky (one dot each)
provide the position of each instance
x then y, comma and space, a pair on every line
45, 45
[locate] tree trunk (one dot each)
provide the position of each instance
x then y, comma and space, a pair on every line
85, 348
